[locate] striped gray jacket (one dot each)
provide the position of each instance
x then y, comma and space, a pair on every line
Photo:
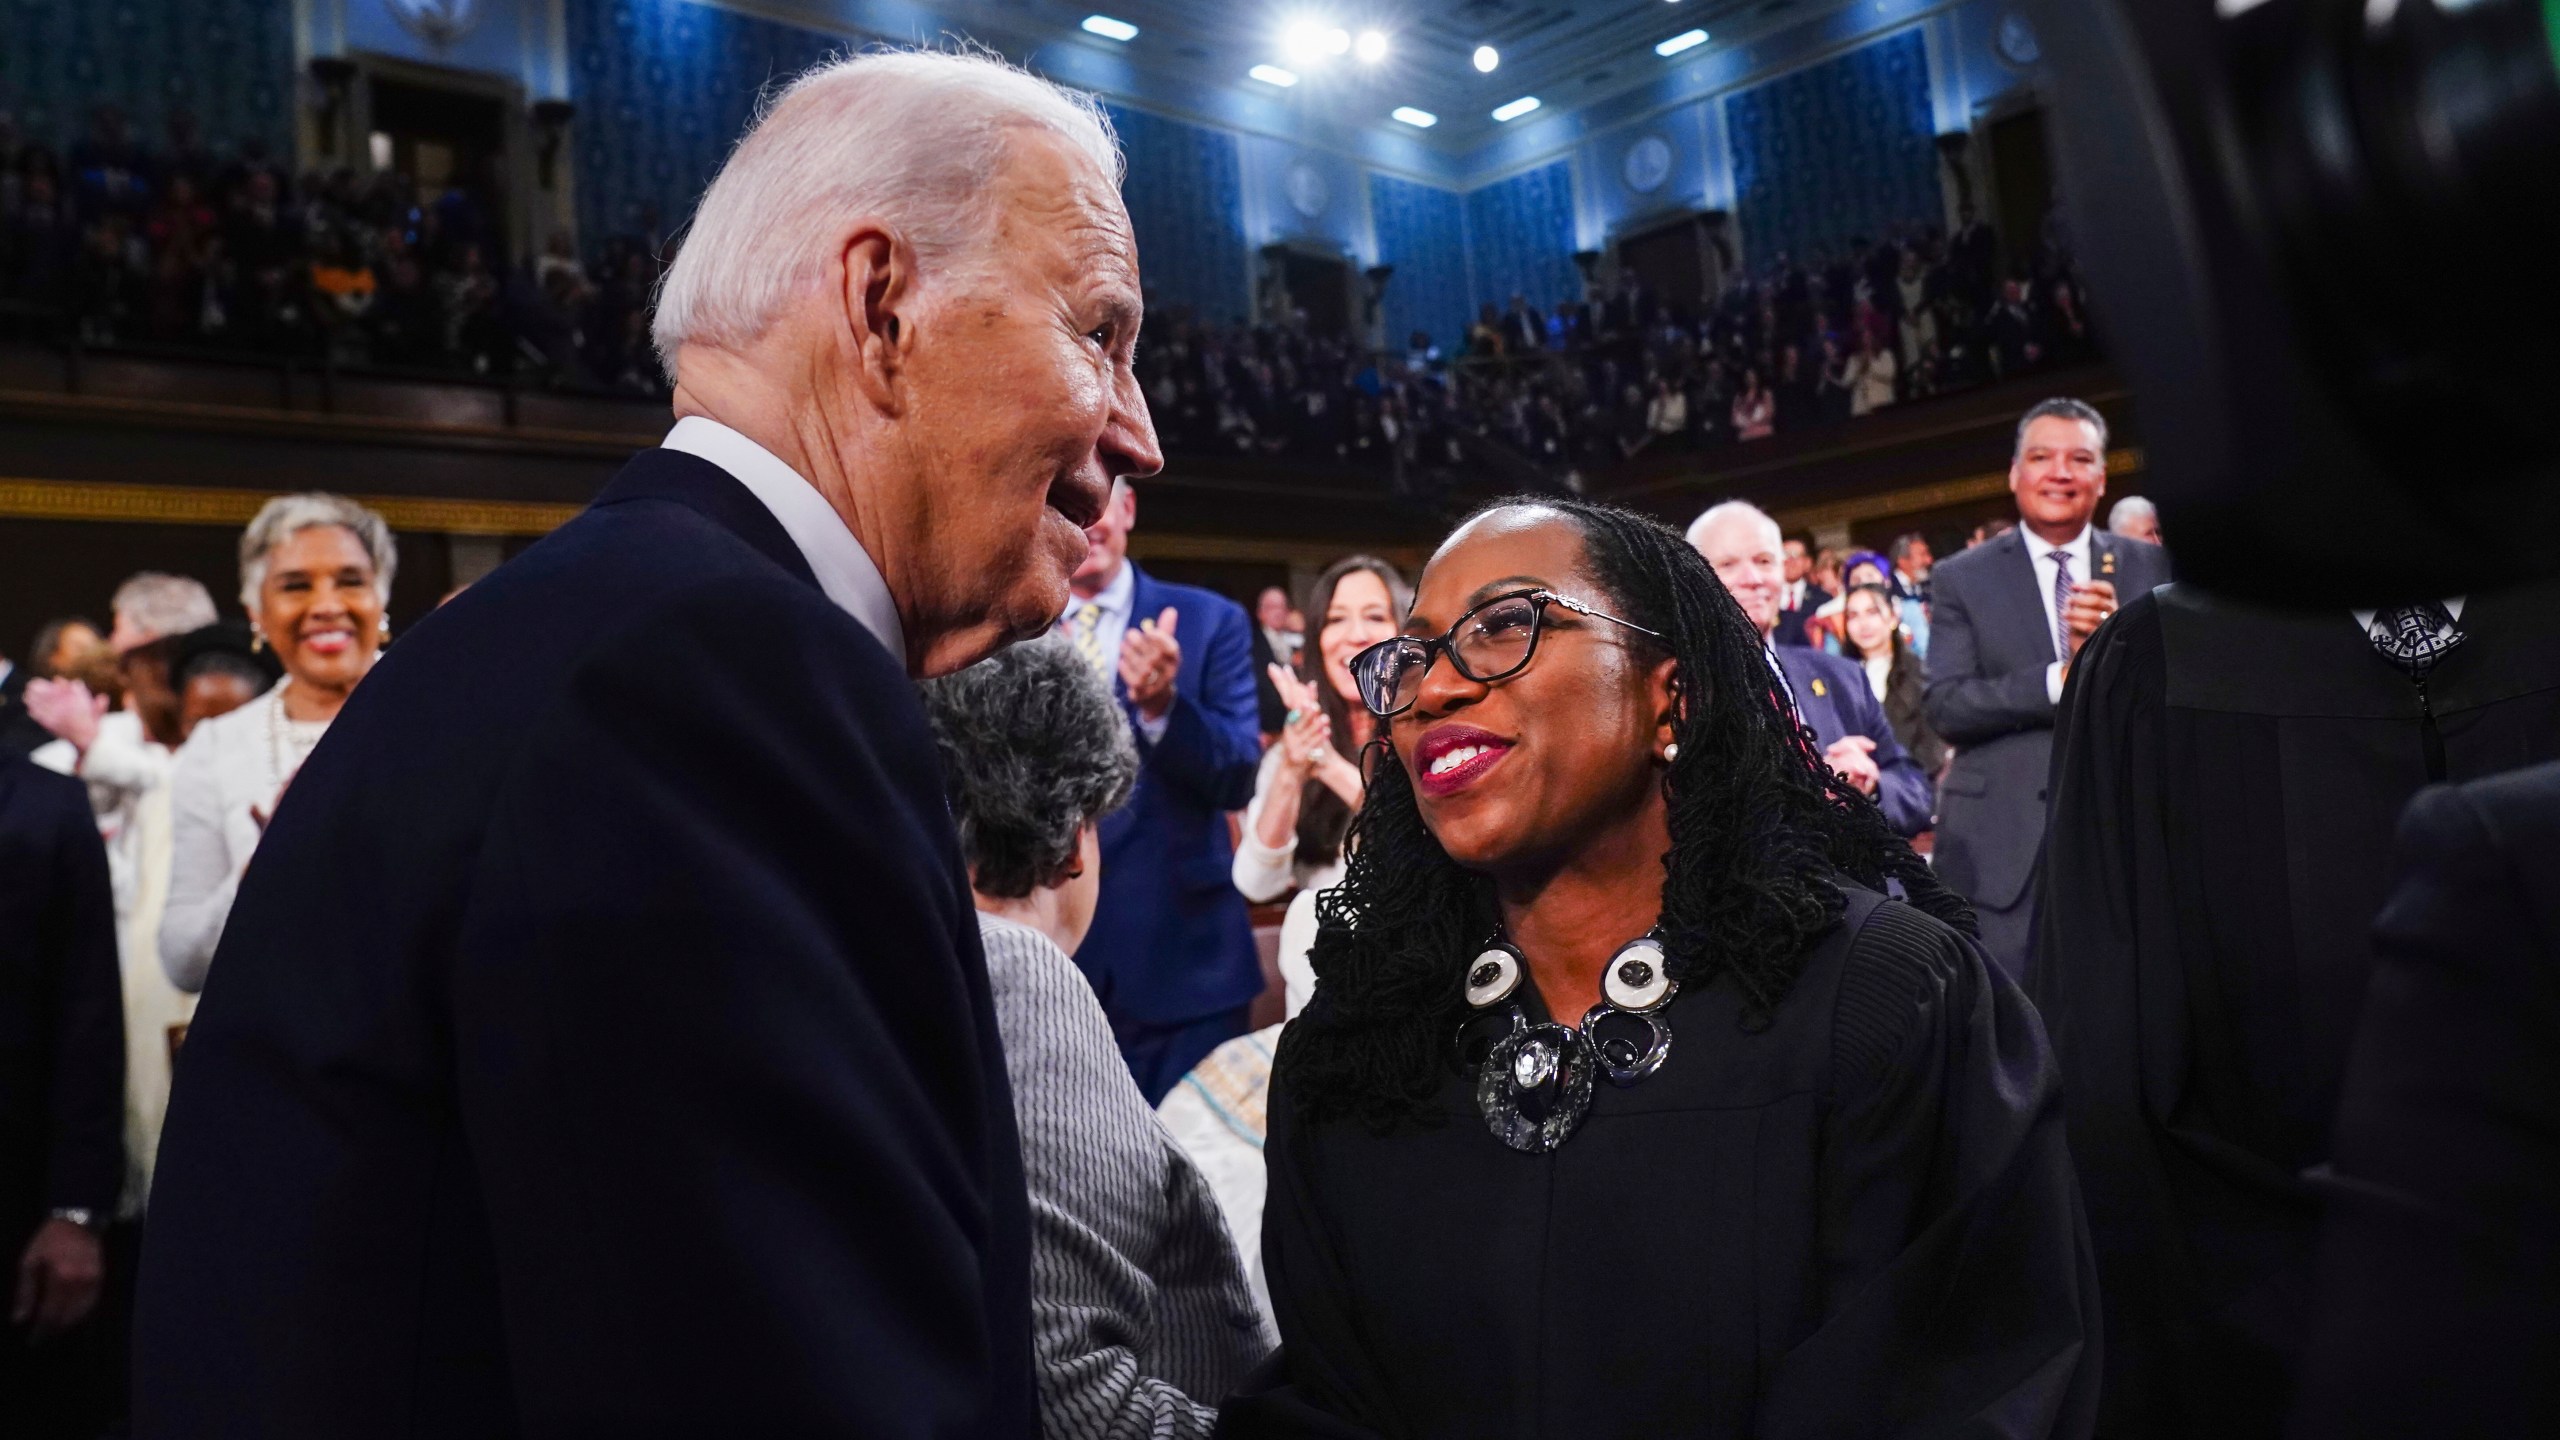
1140, 1317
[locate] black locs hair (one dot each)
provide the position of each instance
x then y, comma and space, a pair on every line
1760, 830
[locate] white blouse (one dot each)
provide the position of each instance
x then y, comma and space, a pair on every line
231, 766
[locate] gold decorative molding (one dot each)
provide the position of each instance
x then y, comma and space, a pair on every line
1917, 499
1244, 549
24, 499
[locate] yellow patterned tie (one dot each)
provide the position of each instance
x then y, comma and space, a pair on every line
1088, 634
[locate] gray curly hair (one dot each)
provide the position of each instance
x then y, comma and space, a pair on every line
1034, 748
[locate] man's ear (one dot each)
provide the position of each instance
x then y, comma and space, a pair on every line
880, 311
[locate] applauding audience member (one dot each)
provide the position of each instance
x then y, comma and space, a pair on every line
315, 574
1871, 634
1171, 951
1139, 1313
1309, 785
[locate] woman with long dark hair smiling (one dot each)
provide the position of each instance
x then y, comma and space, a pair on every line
1652, 1086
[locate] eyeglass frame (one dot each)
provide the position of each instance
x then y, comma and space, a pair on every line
1445, 645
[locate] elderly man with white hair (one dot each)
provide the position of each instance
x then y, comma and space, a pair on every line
601, 1042
2135, 518
1832, 699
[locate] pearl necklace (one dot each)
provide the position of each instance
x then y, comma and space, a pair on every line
285, 751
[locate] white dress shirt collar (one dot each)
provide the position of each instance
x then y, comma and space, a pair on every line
844, 569
1114, 599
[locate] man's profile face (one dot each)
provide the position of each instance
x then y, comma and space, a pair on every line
1916, 560
1797, 561
1022, 408
1745, 555
2145, 526
2060, 473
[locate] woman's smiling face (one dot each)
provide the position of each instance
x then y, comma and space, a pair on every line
318, 607
1515, 772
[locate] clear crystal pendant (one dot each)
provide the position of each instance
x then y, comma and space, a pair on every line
1535, 1086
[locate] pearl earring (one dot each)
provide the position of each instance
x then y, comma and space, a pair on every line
1670, 752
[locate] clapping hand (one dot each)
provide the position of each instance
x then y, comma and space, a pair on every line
1852, 758
1150, 658
1306, 742
2091, 602
1308, 736
66, 708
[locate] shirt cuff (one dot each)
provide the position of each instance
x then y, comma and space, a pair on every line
1154, 729
2053, 682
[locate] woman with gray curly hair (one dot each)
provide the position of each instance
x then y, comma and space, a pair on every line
315, 577
1141, 1320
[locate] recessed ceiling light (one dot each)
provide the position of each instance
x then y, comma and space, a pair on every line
1273, 75
1337, 41
1486, 58
1371, 47
1685, 40
1516, 108
1110, 29
1418, 119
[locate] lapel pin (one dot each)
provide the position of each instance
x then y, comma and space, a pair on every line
1817, 686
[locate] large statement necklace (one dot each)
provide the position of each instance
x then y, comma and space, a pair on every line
1534, 1082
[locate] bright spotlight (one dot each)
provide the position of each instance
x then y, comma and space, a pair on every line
1110, 29
1486, 58
1273, 75
1516, 108
1303, 40
1371, 47
1337, 41
1418, 119
1685, 40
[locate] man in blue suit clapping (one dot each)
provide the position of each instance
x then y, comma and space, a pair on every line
1171, 951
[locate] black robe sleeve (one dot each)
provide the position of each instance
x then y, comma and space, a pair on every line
2186, 1216
2439, 1294
1320, 1383
1959, 1293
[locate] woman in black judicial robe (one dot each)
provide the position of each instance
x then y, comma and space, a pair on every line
1837, 1203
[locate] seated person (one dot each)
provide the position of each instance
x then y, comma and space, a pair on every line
1141, 1320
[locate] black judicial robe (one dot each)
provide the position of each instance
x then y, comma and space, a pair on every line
2225, 786
2439, 1296
1858, 1221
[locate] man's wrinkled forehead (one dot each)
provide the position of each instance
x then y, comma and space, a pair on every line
1051, 187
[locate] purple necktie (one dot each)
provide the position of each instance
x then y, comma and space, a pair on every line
2061, 604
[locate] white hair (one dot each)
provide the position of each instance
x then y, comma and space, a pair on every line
288, 515
1733, 510
2131, 507
160, 605
912, 138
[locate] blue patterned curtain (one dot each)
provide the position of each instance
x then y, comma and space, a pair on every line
1422, 232
1841, 150
229, 63
664, 89
1520, 232
1185, 193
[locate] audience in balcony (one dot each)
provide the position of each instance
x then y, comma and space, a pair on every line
114, 243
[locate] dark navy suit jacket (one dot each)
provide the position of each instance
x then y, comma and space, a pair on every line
601, 1044
2439, 1300
1170, 938
61, 1007
1833, 699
